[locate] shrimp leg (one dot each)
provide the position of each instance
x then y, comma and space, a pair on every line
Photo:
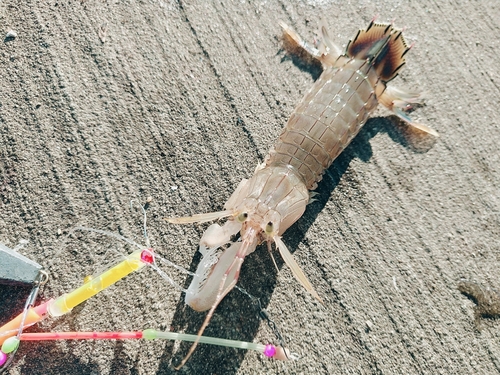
234, 269
399, 102
296, 271
326, 53
203, 218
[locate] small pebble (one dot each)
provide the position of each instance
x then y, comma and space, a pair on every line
369, 325
11, 34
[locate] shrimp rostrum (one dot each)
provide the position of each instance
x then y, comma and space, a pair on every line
263, 207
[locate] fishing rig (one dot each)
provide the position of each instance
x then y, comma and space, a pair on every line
12, 333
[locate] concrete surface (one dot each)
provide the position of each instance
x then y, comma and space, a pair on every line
180, 103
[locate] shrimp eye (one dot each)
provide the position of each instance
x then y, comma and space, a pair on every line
269, 228
242, 217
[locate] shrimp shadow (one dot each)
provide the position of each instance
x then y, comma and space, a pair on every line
236, 316
359, 148
303, 61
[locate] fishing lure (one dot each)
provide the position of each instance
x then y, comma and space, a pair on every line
262, 208
11, 333
269, 350
11, 344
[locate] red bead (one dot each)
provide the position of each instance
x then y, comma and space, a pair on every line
147, 256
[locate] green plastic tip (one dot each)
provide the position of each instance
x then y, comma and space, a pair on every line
11, 344
149, 334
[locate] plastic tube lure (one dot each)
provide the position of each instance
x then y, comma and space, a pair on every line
269, 350
65, 303
10, 332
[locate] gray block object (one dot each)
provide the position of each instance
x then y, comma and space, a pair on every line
16, 268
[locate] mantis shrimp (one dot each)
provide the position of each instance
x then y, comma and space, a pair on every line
330, 115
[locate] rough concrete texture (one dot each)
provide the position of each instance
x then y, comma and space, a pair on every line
181, 102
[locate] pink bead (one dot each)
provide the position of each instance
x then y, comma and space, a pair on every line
3, 358
147, 256
270, 350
